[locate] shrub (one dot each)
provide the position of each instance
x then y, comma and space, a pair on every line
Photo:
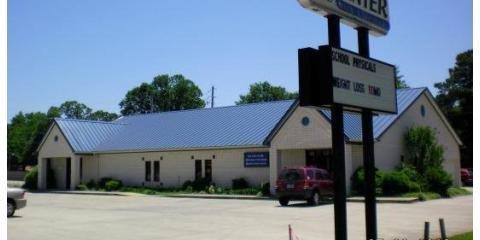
414, 187
239, 183
103, 181
219, 190
456, 191
113, 185
438, 180
266, 189
201, 184
411, 173
189, 189
31, 179
211, 189
395, 183
187, 184
358, 180
423, 149
245, 191
82, 187
92, 184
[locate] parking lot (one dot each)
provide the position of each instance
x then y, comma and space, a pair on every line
51, 216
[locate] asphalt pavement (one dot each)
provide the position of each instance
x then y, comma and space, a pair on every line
50, 216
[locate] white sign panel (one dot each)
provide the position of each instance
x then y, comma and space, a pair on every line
371, 14
363, 82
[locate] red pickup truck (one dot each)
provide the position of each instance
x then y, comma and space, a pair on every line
304, 183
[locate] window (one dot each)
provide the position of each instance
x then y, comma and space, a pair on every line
208, 170
305, 121
55, 139
198, 169
148, 171
310, 174
326, 175
156, 171
318, 175
291, 175
81, 169
422, 110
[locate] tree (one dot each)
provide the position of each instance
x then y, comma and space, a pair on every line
422, 149
75, 110
165, 93
102, 116
455, 98
399, 81
264, 92
25, 132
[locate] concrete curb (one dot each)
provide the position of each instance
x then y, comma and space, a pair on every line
217, 196
86, 193
385, 200
211, 196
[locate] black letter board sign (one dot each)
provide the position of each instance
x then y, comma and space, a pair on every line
332, 75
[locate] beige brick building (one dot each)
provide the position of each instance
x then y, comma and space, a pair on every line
253, 141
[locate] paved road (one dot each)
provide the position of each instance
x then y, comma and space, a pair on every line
65, 216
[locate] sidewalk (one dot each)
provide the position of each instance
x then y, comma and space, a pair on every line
219, 196
97, 193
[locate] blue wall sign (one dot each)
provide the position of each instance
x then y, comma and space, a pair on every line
257, 159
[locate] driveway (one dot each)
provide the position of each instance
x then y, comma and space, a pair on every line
65, 216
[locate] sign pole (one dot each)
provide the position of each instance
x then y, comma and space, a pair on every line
368, 150
338, 142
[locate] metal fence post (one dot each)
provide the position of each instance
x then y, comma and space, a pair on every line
442, 229
426, 233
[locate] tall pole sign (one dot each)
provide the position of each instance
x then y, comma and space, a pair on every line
369, 14
340, 79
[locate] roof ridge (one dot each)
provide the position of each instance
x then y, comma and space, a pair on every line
411, 88
206, 109
89, 121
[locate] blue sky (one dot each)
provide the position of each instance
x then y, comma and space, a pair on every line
95, 51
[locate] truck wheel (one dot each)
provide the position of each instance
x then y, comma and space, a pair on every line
315, 199
283, 201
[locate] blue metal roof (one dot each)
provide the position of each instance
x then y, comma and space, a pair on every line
84, 136
381, 122
243, 125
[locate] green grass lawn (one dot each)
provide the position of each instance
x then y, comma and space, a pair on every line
465, 236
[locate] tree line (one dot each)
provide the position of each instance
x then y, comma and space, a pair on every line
176, 92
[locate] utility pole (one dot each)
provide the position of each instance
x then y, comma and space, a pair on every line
212, 103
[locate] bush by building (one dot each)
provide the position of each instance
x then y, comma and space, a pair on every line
395, 182
438, 180
31, 179
358, 181
240, 183
113, 185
